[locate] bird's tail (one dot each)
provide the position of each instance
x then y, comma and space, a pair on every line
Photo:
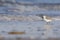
56, 18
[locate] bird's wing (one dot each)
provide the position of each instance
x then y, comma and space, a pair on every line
48, 18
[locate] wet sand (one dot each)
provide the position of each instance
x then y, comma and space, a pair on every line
29, 39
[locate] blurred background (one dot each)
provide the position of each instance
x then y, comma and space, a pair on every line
23, 19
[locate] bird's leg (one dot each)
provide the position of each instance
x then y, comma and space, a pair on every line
48, 22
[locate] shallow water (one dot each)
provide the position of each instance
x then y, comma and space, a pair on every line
35, 29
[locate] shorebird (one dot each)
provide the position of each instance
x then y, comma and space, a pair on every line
47, 18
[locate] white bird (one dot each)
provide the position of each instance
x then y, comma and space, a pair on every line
47, 19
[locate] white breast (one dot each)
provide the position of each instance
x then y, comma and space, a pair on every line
47, 20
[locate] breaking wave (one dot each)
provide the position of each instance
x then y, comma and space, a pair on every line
20, 18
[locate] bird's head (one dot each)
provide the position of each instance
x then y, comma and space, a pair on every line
44, 17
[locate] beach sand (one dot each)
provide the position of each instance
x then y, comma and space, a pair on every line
29, 39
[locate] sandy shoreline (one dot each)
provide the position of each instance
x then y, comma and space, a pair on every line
29, 39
